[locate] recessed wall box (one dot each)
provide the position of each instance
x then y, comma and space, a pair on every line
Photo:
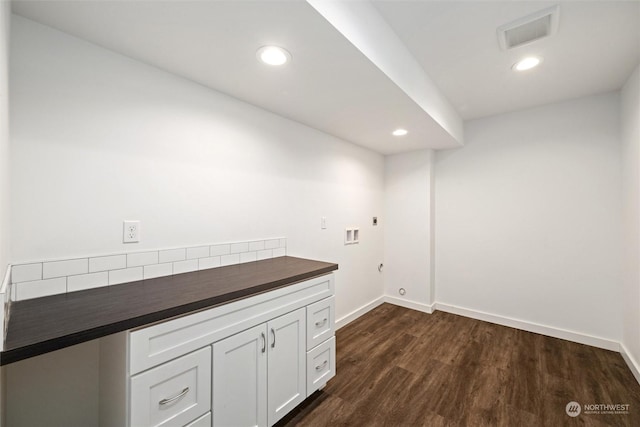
351, 236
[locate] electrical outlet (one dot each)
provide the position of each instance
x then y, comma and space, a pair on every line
131, 233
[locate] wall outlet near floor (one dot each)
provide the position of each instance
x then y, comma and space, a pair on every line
131, 233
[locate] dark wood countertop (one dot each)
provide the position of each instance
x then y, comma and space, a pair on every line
41, 325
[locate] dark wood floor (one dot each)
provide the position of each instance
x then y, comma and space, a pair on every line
401, 367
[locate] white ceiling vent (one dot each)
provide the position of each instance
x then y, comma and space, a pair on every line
529, 28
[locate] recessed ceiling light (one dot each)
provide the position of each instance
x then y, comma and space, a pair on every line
527, 63
273, 55
399, 132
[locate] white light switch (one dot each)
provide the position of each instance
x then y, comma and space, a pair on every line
323, 222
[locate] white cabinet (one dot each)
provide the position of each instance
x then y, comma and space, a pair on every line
203, 421
286, 364
240, 379
259, 375
321, 344
245, 363
164, 341
173, 394
320, 322
321, 365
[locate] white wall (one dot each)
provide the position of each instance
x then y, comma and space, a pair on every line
5, 13
630, 124
528, 217
98, 138
408, 227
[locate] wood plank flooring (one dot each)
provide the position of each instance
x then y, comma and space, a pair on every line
400, 367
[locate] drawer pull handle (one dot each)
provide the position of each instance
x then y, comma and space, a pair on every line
273, 344
264, 342
322, 322
174, 398
321, 367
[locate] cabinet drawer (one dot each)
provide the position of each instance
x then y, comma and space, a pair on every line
321, 365
172, 394
204, 421
320, 322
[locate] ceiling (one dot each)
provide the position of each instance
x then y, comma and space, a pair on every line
595, 49
333, 86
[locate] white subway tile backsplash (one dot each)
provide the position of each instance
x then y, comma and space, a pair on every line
65, 268
36, 279
248, 257
157, 270
171, 255
185, 266
87, 281
256, 246
26, 272
236, 248
229, 259
125, 275
198, 252
106, 263
142, 258
210, 262
41, 288
272, 244
216, 250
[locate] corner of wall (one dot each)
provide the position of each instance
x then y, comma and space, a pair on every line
409, 226
632, 363
5, 17
630, 143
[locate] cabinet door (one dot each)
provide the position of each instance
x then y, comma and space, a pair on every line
240, 379
286, 363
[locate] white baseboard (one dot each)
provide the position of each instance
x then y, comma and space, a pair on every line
631, 362
344, 320
531, 327
409, 304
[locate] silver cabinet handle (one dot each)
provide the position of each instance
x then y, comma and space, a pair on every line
321, 367
264, 342
322, 322
174, 398
273, 344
